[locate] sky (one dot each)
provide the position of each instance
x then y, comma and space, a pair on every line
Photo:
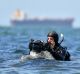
48, 8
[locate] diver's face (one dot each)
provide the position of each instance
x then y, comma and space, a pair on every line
51, 41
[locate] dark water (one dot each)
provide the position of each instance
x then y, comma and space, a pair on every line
14, 43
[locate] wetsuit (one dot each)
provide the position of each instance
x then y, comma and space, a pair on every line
59, 52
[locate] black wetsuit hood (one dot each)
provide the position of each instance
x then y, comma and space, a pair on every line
55, 37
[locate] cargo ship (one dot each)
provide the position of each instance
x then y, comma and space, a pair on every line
20, 18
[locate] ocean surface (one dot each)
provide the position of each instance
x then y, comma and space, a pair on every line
14, 42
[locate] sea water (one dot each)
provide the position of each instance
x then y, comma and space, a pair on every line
14, 42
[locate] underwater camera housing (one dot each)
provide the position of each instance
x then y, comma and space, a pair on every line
37, 45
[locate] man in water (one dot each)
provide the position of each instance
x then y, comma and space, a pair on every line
57, 51
50, 50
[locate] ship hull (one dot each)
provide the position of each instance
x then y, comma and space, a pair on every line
53, 22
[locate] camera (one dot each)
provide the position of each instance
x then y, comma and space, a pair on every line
37, 45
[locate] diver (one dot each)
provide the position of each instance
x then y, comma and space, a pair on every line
55, 48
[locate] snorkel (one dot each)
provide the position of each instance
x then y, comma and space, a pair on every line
62, 38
